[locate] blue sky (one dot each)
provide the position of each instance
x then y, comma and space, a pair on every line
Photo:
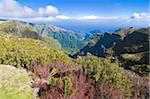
95, 7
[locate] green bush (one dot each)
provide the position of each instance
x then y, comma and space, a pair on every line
23, 52
53, 81
51, 42
142, 70
68, 86
67, 83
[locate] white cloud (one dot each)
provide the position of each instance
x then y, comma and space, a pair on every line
62, 17
11, 8
48, 10
41, 19
89, 17
14, 10
94, 17
143, 15
110, 18
50, 18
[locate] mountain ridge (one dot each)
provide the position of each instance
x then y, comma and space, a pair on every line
71, 41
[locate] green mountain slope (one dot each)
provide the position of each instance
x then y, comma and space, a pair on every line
18, 29
24, 30
99, 44
129, 46
133, 51
69, 40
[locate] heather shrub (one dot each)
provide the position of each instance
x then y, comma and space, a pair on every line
105, 90
82, 87
102, 69
54, 78
57, 88
140, 86
73, 86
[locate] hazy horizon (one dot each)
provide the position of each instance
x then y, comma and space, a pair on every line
79, 15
